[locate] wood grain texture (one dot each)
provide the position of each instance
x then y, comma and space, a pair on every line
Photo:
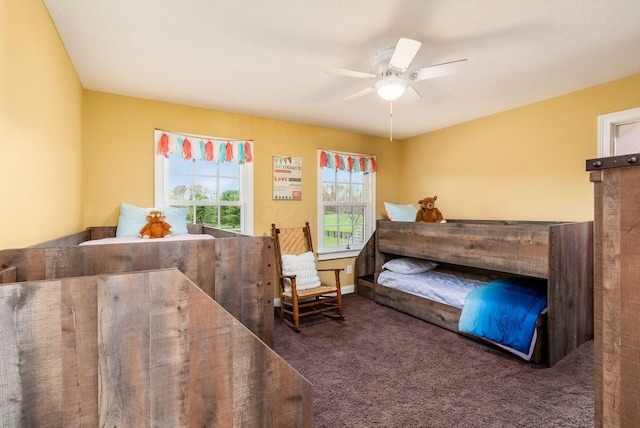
617, 301
512, 247
9, 274
79, 323
365, 265
570, 288
142, 349
562, 253
240, 265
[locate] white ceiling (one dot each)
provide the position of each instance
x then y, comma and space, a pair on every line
268, 58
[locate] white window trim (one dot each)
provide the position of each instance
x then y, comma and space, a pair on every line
340, 253
161, 188
606, 126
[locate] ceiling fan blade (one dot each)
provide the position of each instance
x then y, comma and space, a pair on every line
403, 54
360, 93
412, 94
351, 73
446, 69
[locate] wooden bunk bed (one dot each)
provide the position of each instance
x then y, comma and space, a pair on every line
235, 270
561, 253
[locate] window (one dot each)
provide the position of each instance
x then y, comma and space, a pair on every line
217, 192
346, 201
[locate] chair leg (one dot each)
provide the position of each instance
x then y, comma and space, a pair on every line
296, 311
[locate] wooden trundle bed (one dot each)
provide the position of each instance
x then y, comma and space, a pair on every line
560, 253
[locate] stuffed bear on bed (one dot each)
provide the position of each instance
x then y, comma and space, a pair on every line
428, 211
156, 227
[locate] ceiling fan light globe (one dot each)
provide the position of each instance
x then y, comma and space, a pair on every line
391, 88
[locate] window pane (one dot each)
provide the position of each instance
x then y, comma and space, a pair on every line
204, 188
178, 165
358, 225
230, 218
330, 236
329, 192
205, 167
357, 192
328, 174
230, 169
180, 190
343, 176
230, 189
342, 194
357, 177
207, 215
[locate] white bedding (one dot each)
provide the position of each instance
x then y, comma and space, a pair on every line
438, 284
188, 237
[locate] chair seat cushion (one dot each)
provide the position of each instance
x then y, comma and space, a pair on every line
303, 266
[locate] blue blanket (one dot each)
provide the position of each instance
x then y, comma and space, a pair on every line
505, 311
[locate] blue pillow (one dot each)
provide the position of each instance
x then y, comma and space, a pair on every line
132, 219
401, 212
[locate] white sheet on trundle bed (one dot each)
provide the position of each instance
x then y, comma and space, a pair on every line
445, 287
439, 284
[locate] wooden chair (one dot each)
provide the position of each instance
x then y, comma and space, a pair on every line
302, 293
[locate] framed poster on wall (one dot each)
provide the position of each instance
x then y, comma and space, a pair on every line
287, 178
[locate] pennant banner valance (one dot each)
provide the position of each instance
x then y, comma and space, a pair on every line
348, 162
203, 148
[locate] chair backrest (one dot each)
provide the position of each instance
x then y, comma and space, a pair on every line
294, 240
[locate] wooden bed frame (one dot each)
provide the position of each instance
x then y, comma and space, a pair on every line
235, 270
562, 253
140, 349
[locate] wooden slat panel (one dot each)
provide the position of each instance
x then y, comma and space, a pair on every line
30, 371
68, 240
512, 248
123, 350
630, 298
246, 291
428, 310
210, 363
169, 350
570, 288
28, 261
9, 274
79, 323
607, 300
249, 374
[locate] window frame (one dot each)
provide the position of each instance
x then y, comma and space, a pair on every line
369, 188
606, 129
161, 190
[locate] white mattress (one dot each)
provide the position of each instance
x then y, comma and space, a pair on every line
188, 237
437, 284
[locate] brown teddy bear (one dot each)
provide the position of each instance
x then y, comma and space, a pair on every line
156, 227
428, 211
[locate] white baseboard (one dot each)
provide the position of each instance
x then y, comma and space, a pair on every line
345, 289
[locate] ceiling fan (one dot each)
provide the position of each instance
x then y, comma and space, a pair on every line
392, 78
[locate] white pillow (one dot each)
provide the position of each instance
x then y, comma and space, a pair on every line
303, 266
407, 265
400, 212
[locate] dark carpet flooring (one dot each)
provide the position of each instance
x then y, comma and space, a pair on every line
381, 368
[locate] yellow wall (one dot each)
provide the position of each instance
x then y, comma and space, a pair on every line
40, 124
118, 157
523, 164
